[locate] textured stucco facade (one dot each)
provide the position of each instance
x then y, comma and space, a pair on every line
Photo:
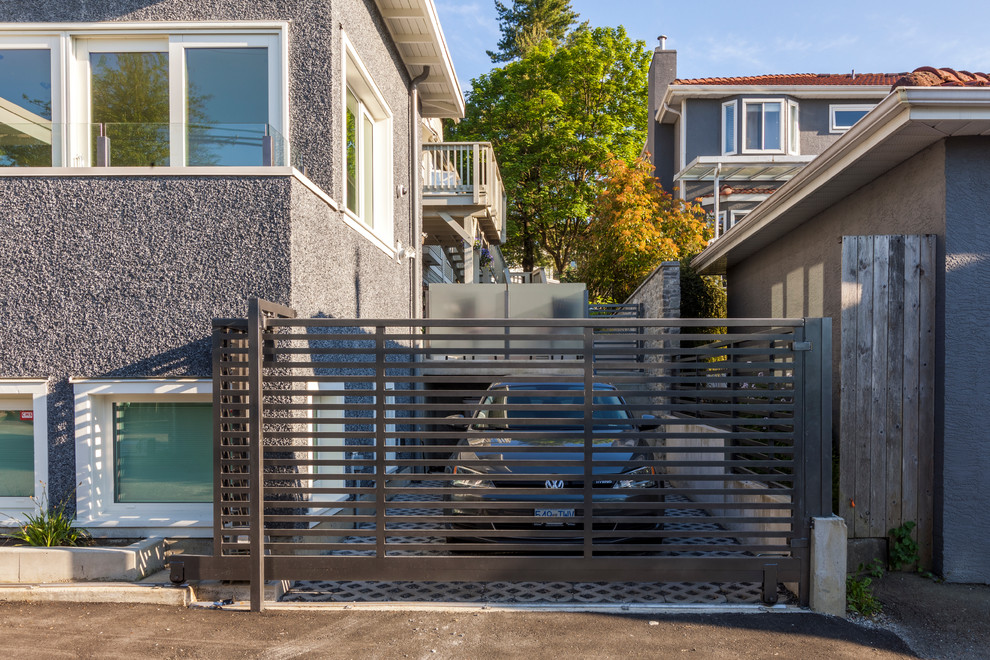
939, 191
120, 276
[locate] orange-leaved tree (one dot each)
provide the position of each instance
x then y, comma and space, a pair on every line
634, 227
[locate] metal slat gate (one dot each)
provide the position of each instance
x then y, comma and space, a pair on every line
540, 449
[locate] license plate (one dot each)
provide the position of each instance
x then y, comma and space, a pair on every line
554, 513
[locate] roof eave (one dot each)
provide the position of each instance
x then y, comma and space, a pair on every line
449, 102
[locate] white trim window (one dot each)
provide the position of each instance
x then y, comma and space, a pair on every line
187, 95
367, 148
841, 117
144, 457
727, 220
763, 124
30, 102
793, 129
729, 125
23, 447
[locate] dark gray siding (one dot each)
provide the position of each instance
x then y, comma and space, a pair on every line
966, 452
704, 129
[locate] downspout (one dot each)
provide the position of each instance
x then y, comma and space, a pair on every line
415, 212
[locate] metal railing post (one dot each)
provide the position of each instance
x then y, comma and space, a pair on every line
257, 463
589, 440
102, 148
267, 149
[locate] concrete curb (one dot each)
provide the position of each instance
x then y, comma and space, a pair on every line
99, 592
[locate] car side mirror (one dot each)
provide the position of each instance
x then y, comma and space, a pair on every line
646, 425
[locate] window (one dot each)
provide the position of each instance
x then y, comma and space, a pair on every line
763, 125
842, 117
23, 446
194, 100
144, 456
793, 129
728, 128
140, 98
29, 102
367, 149
727, 220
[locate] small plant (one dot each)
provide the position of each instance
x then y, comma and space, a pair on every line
903, 550
859, 596
49, 527
859, 589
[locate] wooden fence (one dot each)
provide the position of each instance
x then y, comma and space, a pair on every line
887, 422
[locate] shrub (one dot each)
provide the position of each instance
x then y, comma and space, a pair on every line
50, 526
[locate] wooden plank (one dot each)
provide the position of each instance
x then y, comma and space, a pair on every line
895, 380
926, 402
864, 375
912, 341
848, 423
878, 390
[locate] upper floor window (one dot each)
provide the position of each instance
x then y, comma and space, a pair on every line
842, 117
140, 98
729, 128
763, 125
367, 151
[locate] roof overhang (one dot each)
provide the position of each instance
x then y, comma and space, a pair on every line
415, 29
743, 168
906, 122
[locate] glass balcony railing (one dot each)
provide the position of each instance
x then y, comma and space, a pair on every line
142, 145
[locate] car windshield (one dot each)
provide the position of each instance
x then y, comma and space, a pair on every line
542, 405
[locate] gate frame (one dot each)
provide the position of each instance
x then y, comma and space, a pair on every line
812, 349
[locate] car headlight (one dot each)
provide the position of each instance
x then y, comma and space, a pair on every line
466, 482
637, 478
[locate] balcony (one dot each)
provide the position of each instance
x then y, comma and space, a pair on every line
463, 194
28, 140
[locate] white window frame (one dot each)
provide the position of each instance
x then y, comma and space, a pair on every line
80, 112
793, 128
735, 217
31, 394
53, 44
733, 105
380, 228
96, 509
783, 125
833, 127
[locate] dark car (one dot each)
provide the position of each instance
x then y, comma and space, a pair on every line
520, 470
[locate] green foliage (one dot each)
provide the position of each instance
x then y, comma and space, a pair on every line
635, 226
527, 23
702, 296
902, 549
555, 117
859, 589
50, 526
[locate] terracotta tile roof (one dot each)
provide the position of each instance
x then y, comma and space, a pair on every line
799, 79
927, 76
732, 190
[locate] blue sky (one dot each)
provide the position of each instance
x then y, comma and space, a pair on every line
726, 38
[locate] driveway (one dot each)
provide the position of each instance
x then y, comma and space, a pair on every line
65, 630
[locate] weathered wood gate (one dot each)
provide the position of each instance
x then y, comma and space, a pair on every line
334, 457
887, 428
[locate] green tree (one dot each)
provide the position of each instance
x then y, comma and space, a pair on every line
527, 23
635, 225
555, 117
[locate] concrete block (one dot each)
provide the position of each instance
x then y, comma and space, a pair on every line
827, 593
32, 565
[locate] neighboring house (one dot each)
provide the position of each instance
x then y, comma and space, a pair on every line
160, 162
916, 165
742, 138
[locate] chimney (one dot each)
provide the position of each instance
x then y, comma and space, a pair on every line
663, 71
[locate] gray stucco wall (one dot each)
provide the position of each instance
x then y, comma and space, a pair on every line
966, 452
121, 276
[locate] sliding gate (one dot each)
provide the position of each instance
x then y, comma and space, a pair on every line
540, 449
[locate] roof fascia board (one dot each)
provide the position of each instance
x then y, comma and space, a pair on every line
800, 91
